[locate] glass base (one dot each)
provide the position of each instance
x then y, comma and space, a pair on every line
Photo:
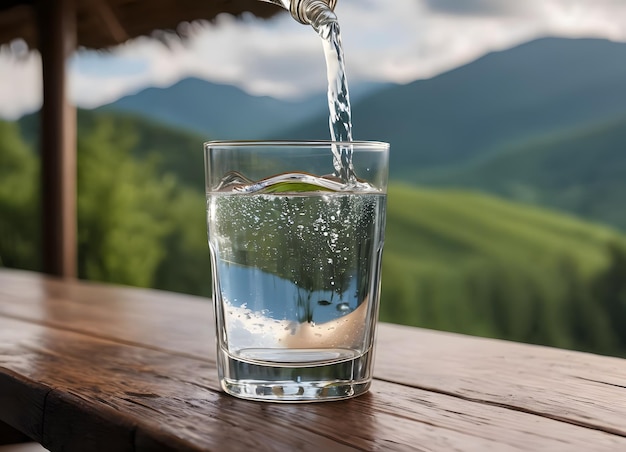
289, 379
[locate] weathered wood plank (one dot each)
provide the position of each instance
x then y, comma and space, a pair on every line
575, 387
18, 392
108, 393
156, 319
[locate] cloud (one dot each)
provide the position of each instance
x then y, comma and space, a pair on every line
478, 7
279, 57
398, 41
20, 84
420, 40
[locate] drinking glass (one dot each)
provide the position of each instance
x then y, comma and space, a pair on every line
296, 257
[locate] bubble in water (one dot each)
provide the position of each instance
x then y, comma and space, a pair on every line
295, 278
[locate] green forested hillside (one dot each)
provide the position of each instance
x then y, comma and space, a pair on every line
171, 150
453, 260
140, 222
582, 171
472, 263
19, 198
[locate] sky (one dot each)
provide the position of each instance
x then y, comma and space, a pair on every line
384, 41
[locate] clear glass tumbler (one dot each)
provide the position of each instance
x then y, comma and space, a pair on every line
296, 255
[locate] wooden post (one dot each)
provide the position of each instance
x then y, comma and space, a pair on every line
57, 41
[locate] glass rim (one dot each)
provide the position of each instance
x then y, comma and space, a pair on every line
297, 143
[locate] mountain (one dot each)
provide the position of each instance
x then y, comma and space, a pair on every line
476, 110
582, 171
219, 111
502, 98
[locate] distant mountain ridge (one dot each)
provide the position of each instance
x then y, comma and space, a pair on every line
502, 98
473, 111
540, 123
220, 111
583, 172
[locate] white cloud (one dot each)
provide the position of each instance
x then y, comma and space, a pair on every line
20, 84
399, 41
428, 41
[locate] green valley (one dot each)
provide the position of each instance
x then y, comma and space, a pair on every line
453, 260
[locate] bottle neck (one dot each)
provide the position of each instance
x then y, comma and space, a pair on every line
308, 12
313, 12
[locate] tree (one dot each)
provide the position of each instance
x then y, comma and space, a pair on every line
609, 291
187, 264
587, 321
19, 195
122, 208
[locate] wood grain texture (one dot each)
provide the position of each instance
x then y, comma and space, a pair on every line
574, 387
102, 395
87, 364
155, 319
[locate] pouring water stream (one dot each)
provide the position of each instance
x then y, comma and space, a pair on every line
319, 14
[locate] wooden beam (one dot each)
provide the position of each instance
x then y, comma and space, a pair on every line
57, 41
110, 21
18, 23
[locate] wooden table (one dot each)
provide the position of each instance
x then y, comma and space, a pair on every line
86, 367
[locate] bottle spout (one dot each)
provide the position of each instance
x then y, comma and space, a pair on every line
304, 10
